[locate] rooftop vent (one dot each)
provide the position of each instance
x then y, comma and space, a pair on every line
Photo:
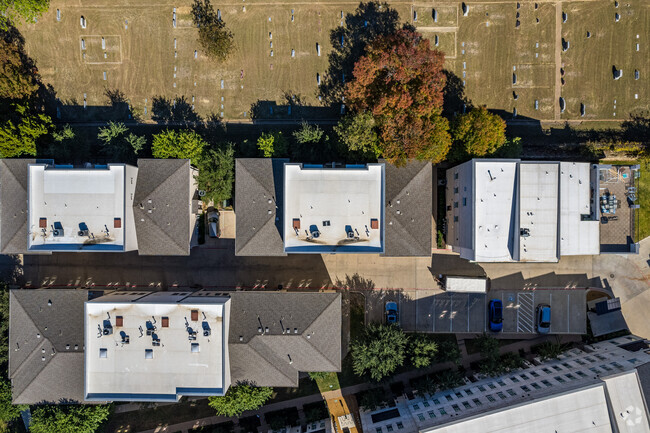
148, 353
103, 353
195, 347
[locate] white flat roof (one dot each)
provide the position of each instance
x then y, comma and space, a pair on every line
118, 371
581, 410
627, 403
538, 211
72, 209
495, 186
577, 237
465, 284
333, 201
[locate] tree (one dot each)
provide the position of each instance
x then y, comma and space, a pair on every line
272, 144
184, 144
8, 411
357, 132
448, 379
14, 11
422, 350
68, 418
241, 397
217, 174
400, 81
118, 143
311, 144
489, 348
215, 39
18, 75
370, 20
21, 129
373, 399
478, 133
379, 351
448, 351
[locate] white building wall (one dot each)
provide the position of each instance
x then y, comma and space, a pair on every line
460, 209
130, 239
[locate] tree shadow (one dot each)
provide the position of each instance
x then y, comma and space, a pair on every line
177, 111
349, 41
454, 99
294, 108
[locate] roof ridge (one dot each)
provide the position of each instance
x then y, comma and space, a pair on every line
262, 184
335, 367
269, 221
182, 164
411, 180
257, 342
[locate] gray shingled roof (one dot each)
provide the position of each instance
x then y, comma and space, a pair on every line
304, 335
49, 324
13, 205
258, 181
409, 232
162, 187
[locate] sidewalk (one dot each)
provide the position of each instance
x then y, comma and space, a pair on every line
298, 403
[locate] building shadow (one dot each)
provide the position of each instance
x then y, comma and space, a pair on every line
516, 281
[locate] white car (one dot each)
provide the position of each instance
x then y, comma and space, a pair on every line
213, 224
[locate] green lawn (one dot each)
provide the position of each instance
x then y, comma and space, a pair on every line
329, 382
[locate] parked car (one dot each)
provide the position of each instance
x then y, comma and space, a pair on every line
495, 314
543, 318
213, 224
391, 312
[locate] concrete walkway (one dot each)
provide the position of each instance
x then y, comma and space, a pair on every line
298, 403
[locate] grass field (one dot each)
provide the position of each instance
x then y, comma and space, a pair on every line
144, 56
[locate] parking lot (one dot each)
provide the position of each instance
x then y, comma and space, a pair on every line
445, 312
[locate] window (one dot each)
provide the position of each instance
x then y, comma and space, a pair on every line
536, 385
400, 426
557, 368
416, 407
525, 388
389, 427
632, 360
449, 397
514, 379
601, 357
456, 407
490, 397
511, 392
606, 368
458, 394
559, 379
580, 362
617, 365
546, 370
594, 370
468, 391
491, 385
481, 388
455, 219
467, 405
523, 376
534, 374
590, 359
570, 376
455, 205
477, 402
501, 395
378, 429
581, 373
501, 382
436, 401
566, 364
546, 383
442, 411
432, 414
425, 403
456, 175
421, 417
455, 190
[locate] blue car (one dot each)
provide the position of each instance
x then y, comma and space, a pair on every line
391, 312
543, 318
495, 314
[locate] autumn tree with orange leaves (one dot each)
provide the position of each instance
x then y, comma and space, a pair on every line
400, 81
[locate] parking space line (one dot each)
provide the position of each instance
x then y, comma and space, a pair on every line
525, 312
